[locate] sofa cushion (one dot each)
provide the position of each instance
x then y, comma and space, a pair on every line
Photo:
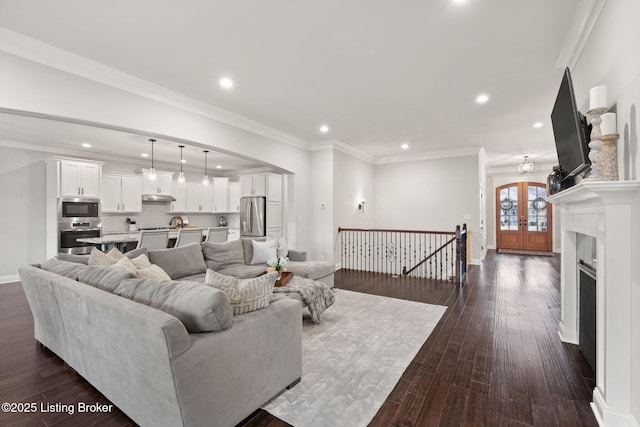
200, 308
245, 295
179, 262
247, 247
105, 278
310, 269
244, 271
195, 278
137, 252
63, 268
223, 255
263, 252
80, 259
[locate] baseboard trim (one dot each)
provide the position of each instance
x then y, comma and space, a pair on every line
606, 417
9, 279
566, 335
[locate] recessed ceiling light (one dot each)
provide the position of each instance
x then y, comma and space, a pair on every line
324, 128
226, 82
86, 145
183, 161
144, 155
537, 125
218, 166
404, 146
481, 99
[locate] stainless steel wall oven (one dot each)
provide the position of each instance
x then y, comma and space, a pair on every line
78, 218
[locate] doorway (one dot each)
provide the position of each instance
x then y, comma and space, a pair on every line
523, 217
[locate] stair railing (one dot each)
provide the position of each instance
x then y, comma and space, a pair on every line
430, 254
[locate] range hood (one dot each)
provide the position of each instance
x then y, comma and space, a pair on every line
158, 198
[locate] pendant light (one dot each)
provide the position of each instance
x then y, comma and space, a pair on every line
205, 179
152, 172
181, 179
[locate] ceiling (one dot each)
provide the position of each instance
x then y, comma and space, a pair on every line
378, 73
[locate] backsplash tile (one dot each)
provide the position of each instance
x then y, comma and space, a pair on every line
155, 214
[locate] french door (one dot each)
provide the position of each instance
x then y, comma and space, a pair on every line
523, 217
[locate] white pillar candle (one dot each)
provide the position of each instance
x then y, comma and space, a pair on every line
598, 97
608, 124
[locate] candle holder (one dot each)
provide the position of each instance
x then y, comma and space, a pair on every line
609, 157
595, 146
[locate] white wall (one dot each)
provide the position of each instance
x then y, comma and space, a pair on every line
353, 180
434, 194
321, 193
611, 58
23, 192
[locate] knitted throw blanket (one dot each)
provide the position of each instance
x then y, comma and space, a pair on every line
316, 295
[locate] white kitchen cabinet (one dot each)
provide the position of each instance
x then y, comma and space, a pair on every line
234, 196
79, 179
179, 192
253, 185
221, 194
267, 185
121, 193
199, 197
234, 234
162, 185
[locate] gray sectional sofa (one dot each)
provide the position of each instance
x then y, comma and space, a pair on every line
188, 362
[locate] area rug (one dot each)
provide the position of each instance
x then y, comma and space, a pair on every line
352, 361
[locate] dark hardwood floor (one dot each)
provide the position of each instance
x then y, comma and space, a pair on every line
494, 358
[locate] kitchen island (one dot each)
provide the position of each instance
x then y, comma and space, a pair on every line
121, 240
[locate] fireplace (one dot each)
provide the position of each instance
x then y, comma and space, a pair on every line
607, 212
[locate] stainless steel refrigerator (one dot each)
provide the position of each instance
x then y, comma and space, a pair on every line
253, 213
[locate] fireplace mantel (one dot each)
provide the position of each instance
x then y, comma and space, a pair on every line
604, 210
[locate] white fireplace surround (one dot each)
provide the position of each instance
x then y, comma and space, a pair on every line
605, 211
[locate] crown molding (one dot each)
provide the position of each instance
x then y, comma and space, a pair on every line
342, 147
584, 19
42, 53
457, 152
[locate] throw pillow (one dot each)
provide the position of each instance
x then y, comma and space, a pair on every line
152, 272
180, 262
126, 264
282, 248
137, 252
97, 257
141, 261
263, 251
247, 247
223, 255
245, 295
200, 308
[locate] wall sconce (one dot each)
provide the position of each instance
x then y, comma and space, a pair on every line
361, 204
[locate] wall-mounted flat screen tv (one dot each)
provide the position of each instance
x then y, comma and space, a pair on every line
571, 131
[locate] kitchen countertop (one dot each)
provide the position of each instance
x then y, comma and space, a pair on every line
129, 237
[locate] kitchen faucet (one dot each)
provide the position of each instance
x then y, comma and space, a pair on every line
176, 221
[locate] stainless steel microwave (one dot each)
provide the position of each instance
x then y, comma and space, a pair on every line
76, 207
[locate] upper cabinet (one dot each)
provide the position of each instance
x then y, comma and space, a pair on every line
234, 196
253, 185
79, 178
73, 178
121, 193
220, 194
179, 192
162, 185
267, 185
199, 197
